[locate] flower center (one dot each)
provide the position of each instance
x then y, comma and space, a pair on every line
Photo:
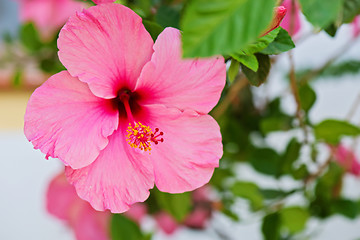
139, 135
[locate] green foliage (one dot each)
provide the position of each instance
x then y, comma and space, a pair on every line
351, 8
346, 207
30, 38
249, 191
275, 123
294, 219
271, 226
326, 191
178, 205
233, 70
332, 130
282, 43
307, 97
258, 77
122, 228
249, 61
153, 28
321, 13
334, 71
168, 16
291, 154
247, 55
223, 26
266, 161
340, 69
261, 43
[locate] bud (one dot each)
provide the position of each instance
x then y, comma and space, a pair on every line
279, 14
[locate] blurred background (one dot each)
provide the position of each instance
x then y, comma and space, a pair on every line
315, 194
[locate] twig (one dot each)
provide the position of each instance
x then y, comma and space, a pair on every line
319, 172
353, 108
239, 83
295, 92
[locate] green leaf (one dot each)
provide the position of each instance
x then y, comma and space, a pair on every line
346, 207
178, 205
168, 16
324, 191
29, 37
153, 28
272, 193
321, 13
223, 26
346, 67
294, 218
332, 130
275, 123
291, 154
257, 78
282, 43
233, 70
249, 191
260, 44
266, 161
350, 10
333, 71
230, 214
300, 172
123, 228
250, 61
307, 97
271, 226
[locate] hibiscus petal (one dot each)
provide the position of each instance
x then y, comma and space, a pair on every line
60, 197
91, 224
65, 120
182, 83
105, 46
191, 149
119, 177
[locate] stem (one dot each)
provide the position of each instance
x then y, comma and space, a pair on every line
239, 83
353, 108
319, 172
295, 92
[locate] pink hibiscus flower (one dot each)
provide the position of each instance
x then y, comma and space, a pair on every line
63, 203
48, 15
128, 113
347, 159
292, 15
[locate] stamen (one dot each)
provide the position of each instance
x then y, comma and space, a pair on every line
140, 136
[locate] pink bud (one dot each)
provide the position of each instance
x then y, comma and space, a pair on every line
198, 218
166, 222
278, 16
